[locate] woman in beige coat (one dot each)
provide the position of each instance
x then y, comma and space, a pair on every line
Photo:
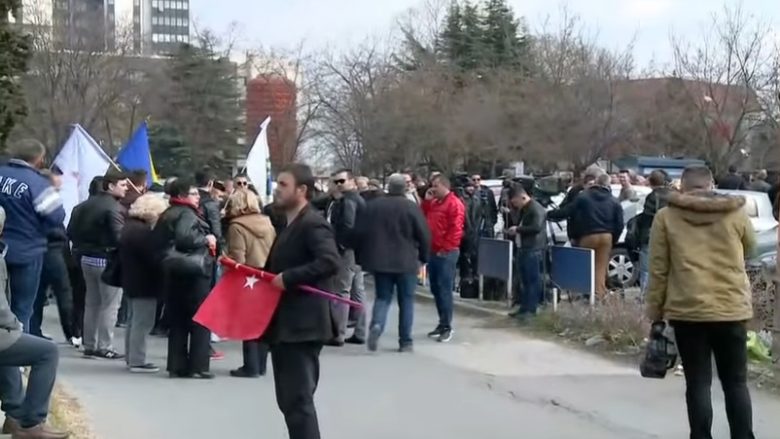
250, 235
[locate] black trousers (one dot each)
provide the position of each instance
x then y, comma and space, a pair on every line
54, 274
255, 356
697, 342
188, 342
296, 374
79, 291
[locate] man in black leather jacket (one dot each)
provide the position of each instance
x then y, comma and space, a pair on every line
209, 205
342, 215
95, 232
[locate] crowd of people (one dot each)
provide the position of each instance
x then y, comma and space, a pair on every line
145, 257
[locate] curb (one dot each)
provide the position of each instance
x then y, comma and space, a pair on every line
461, 305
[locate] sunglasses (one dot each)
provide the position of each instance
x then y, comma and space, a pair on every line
340, 181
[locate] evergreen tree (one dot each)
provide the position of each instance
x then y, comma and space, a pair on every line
14, 54
473, 52
505, 39
204, 108
451, 45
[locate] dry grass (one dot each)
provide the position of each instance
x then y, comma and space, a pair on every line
619, 322
66, 413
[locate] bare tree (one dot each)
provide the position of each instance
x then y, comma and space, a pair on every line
78, 74
723, 75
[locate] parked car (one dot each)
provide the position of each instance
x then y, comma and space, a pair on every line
758, 207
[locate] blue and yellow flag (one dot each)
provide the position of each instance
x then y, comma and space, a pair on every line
136, 155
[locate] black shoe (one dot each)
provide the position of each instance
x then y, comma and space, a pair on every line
446, 335
108, 354
335, 343
89, 353
179, 375
241, 372
436, 333
407, 348
355, 340
203, 376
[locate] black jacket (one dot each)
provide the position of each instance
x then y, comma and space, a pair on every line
180, 242
491, 208
141, 274
306, 254
565, 210
372, 194
96, 227
596, 211
475, 221
531, 222
732, 182
57, 238
210, 211
655, 201
344, 214
393, 236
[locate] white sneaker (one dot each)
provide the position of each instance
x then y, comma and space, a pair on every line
76, 342
678, 371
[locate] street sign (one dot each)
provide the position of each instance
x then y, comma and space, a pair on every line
573, 269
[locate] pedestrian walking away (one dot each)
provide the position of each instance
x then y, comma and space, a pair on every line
698, 247
305, 253
445, 214
249, 237
142, 279
96, 232
393, 222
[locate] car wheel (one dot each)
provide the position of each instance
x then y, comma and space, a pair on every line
622, 273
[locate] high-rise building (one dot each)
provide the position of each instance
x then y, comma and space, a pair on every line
160, 26
85, 24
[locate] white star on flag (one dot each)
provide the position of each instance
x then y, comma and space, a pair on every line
251, 281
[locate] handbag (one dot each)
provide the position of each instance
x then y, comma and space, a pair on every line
112, 274
189, 264
660, 353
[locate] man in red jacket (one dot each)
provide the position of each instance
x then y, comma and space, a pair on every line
445, 213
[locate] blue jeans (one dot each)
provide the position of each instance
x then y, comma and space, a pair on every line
24, 280
644, 269
441, 270
386, 284
529, 262
30, 407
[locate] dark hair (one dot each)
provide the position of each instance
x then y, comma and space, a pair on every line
302, 176
180, 187
241, 175
343, 171
516, 190
112, 177
27, 150
696, 177
96, 185
220, 186
588, 178
204, 176
659, 177
732, 169
138, 177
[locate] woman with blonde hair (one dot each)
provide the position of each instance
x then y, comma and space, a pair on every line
141, 278
250, 235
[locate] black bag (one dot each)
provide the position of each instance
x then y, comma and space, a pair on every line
189, 264
469, 289
660, 353
112, 274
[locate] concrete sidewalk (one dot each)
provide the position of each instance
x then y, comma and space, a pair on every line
489, 382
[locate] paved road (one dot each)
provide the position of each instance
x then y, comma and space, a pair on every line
490, 382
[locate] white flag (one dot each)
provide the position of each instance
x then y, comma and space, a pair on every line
258, 163
81, 159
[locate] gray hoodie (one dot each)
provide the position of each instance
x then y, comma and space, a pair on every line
10, 326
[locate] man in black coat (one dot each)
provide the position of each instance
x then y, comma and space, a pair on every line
393, 222
209, 206
732, 181
95, 232
343, 214
305, 253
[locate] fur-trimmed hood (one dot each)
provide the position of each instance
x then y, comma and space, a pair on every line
705, 207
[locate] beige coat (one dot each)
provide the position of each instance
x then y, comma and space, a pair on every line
249, 239
698, 246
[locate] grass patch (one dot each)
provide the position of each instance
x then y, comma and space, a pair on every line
67, 414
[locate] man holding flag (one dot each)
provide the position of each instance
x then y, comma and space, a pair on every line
305, 253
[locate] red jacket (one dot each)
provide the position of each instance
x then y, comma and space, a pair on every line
445, 219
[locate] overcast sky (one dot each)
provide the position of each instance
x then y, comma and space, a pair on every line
341, 23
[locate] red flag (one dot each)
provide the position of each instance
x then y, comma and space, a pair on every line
240, 306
